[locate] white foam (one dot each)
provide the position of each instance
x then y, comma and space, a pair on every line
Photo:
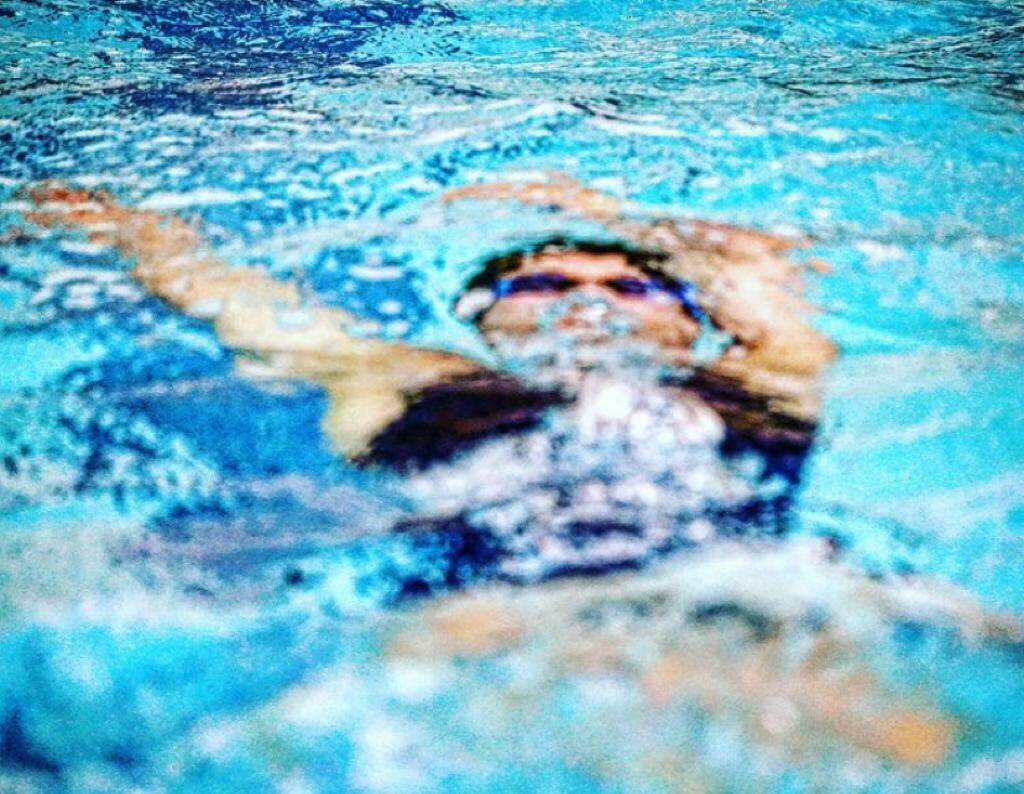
201, 197
630, 128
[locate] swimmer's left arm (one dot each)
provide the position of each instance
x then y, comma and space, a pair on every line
249, 308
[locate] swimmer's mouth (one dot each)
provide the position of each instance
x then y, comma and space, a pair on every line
583, 332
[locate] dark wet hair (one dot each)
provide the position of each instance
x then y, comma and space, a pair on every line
648, 261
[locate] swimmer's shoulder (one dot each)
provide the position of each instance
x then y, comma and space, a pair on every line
755, 423
448, 417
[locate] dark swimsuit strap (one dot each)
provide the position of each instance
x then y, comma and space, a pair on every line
448, 417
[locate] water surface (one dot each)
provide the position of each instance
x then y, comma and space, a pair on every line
194, 587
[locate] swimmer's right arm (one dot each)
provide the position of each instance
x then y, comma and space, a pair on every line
747, 283
248, 306
283, 332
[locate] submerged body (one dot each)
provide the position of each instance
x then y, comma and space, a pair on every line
612, 470
613, 434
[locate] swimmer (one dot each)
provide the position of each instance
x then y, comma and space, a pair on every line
488, 445
667, 276
605, 338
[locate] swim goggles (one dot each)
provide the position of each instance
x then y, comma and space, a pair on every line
682, 292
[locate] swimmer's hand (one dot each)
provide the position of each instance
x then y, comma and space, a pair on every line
144, 234
172, 260
561, 192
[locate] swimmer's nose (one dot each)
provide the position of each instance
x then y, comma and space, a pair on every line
592, 297
593, 293
586, 311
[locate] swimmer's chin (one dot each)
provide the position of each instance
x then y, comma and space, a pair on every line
565, 355
567, 336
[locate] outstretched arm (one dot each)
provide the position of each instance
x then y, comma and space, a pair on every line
287, 333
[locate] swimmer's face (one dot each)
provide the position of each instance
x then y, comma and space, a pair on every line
593, 296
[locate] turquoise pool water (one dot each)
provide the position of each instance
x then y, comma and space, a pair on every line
194, 589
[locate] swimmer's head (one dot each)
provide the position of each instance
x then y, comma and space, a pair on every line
594, 292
